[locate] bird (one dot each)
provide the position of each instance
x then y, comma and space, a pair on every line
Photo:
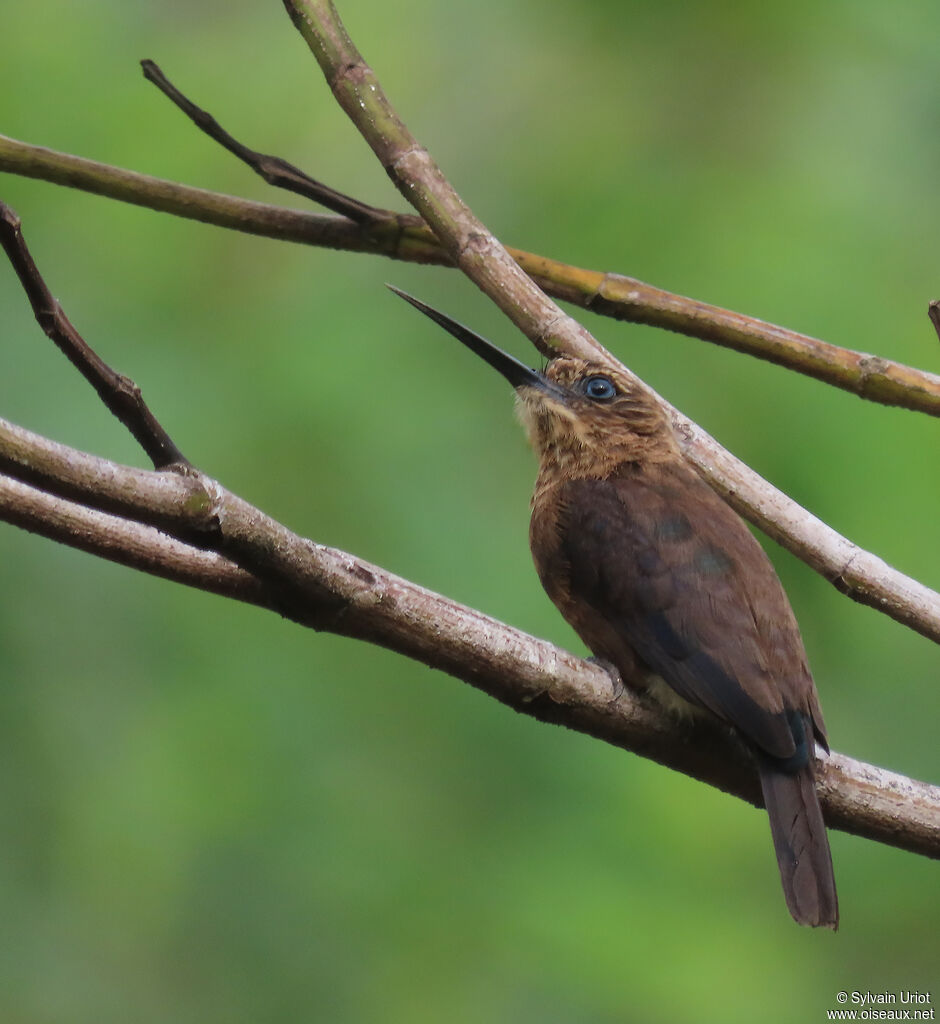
663, 580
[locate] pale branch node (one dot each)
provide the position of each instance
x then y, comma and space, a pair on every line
123, 540
407, 238
108, 509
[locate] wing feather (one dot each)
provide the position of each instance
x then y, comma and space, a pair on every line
652, 564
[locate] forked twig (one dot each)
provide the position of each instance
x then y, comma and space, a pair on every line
273, 169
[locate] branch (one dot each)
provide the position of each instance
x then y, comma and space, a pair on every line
272, 169
214, 207
107, 509
125, 541
622, 298
119, 393
405, 237
853, 571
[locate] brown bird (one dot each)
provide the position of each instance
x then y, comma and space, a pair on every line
662, 579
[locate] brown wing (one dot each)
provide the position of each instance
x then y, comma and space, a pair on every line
652, 563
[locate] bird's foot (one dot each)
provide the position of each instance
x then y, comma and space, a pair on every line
616, 680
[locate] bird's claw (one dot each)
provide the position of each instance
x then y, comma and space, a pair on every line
616, 680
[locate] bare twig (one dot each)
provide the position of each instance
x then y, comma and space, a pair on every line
273, 169
224, 211
405, 237
119, 393
332, 590
867, 376
422, 183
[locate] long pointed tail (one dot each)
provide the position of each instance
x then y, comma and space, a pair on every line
801, 845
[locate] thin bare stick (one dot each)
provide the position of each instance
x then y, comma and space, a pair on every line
119, 393
466, 239
272, 169
331, 590
867, 376
405, 237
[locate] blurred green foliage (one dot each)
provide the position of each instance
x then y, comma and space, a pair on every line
207, 814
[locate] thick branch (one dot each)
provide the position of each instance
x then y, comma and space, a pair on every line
405, 237
332, 590
422, 183
125, 541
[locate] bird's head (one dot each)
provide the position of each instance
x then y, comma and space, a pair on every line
583, 418
588, 418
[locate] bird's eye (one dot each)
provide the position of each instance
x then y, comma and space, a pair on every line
601, 389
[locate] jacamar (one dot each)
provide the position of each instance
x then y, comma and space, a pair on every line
660, 578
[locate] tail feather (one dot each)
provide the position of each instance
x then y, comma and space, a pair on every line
801, 845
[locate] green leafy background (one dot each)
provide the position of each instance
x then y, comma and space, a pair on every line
208, 814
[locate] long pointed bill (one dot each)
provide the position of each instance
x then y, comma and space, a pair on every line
518, 374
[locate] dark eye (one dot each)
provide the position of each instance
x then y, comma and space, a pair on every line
601, 389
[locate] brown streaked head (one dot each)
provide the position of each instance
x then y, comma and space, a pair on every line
604, 419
